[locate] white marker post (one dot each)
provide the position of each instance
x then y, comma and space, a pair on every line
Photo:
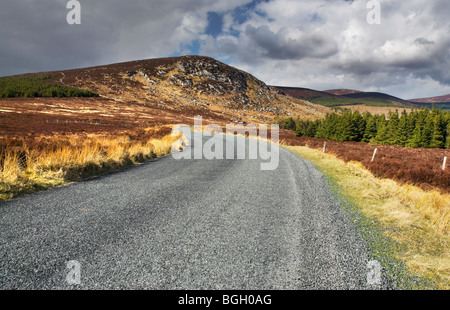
324, 147
445, 163
373, 156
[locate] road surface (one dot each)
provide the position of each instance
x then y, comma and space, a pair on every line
185, 224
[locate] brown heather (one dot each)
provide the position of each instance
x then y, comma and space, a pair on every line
419, 167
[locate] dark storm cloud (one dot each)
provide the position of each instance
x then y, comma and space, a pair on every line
423, 41
281, 46
355, 67
35, 36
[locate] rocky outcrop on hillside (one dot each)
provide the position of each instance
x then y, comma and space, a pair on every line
191, 81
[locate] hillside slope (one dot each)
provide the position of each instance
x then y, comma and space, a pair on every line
440, 102
345, 97
189, 82
382, 98
438, 99
341, 91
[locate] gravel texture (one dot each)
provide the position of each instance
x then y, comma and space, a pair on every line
186, 224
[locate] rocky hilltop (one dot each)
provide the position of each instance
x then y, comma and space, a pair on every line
179, 83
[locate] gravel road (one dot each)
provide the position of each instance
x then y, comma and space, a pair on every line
185, 224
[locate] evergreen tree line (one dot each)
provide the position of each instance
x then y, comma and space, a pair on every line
38, 86
421, 128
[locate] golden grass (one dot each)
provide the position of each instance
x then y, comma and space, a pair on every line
417, 220
57, 160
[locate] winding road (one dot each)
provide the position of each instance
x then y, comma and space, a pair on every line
185, 224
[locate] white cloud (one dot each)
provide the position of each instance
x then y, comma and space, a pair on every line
410, 48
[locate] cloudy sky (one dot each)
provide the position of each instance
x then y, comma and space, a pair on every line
320, 44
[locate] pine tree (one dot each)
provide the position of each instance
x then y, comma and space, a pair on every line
328, 127
371, 129
288, 124
411, 124
439, 132
392, 128
359, 124
346, 130
381, 136
422, 128
403, 134
448, 136
299, 131
321, 130
417, 139
310, 130
428, 130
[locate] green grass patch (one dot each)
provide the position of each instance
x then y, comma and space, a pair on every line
38, 86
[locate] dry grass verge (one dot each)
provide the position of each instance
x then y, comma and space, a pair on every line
415, 219
37, 163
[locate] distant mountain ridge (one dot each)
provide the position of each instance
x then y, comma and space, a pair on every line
350, 97
303, 93
440, 102
437, 99
379, 96
345, 97
341, 92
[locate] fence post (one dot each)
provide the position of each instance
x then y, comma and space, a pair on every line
445, 163
374, 153
324, 147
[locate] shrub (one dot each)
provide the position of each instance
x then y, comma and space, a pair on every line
38, 86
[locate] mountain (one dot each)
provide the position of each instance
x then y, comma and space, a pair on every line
380, 98
190, 82
315, 96
303, 93
341, 92
441, 102
439, 99
345, 98
374, 97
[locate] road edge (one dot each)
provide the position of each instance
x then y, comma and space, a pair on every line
381, 247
